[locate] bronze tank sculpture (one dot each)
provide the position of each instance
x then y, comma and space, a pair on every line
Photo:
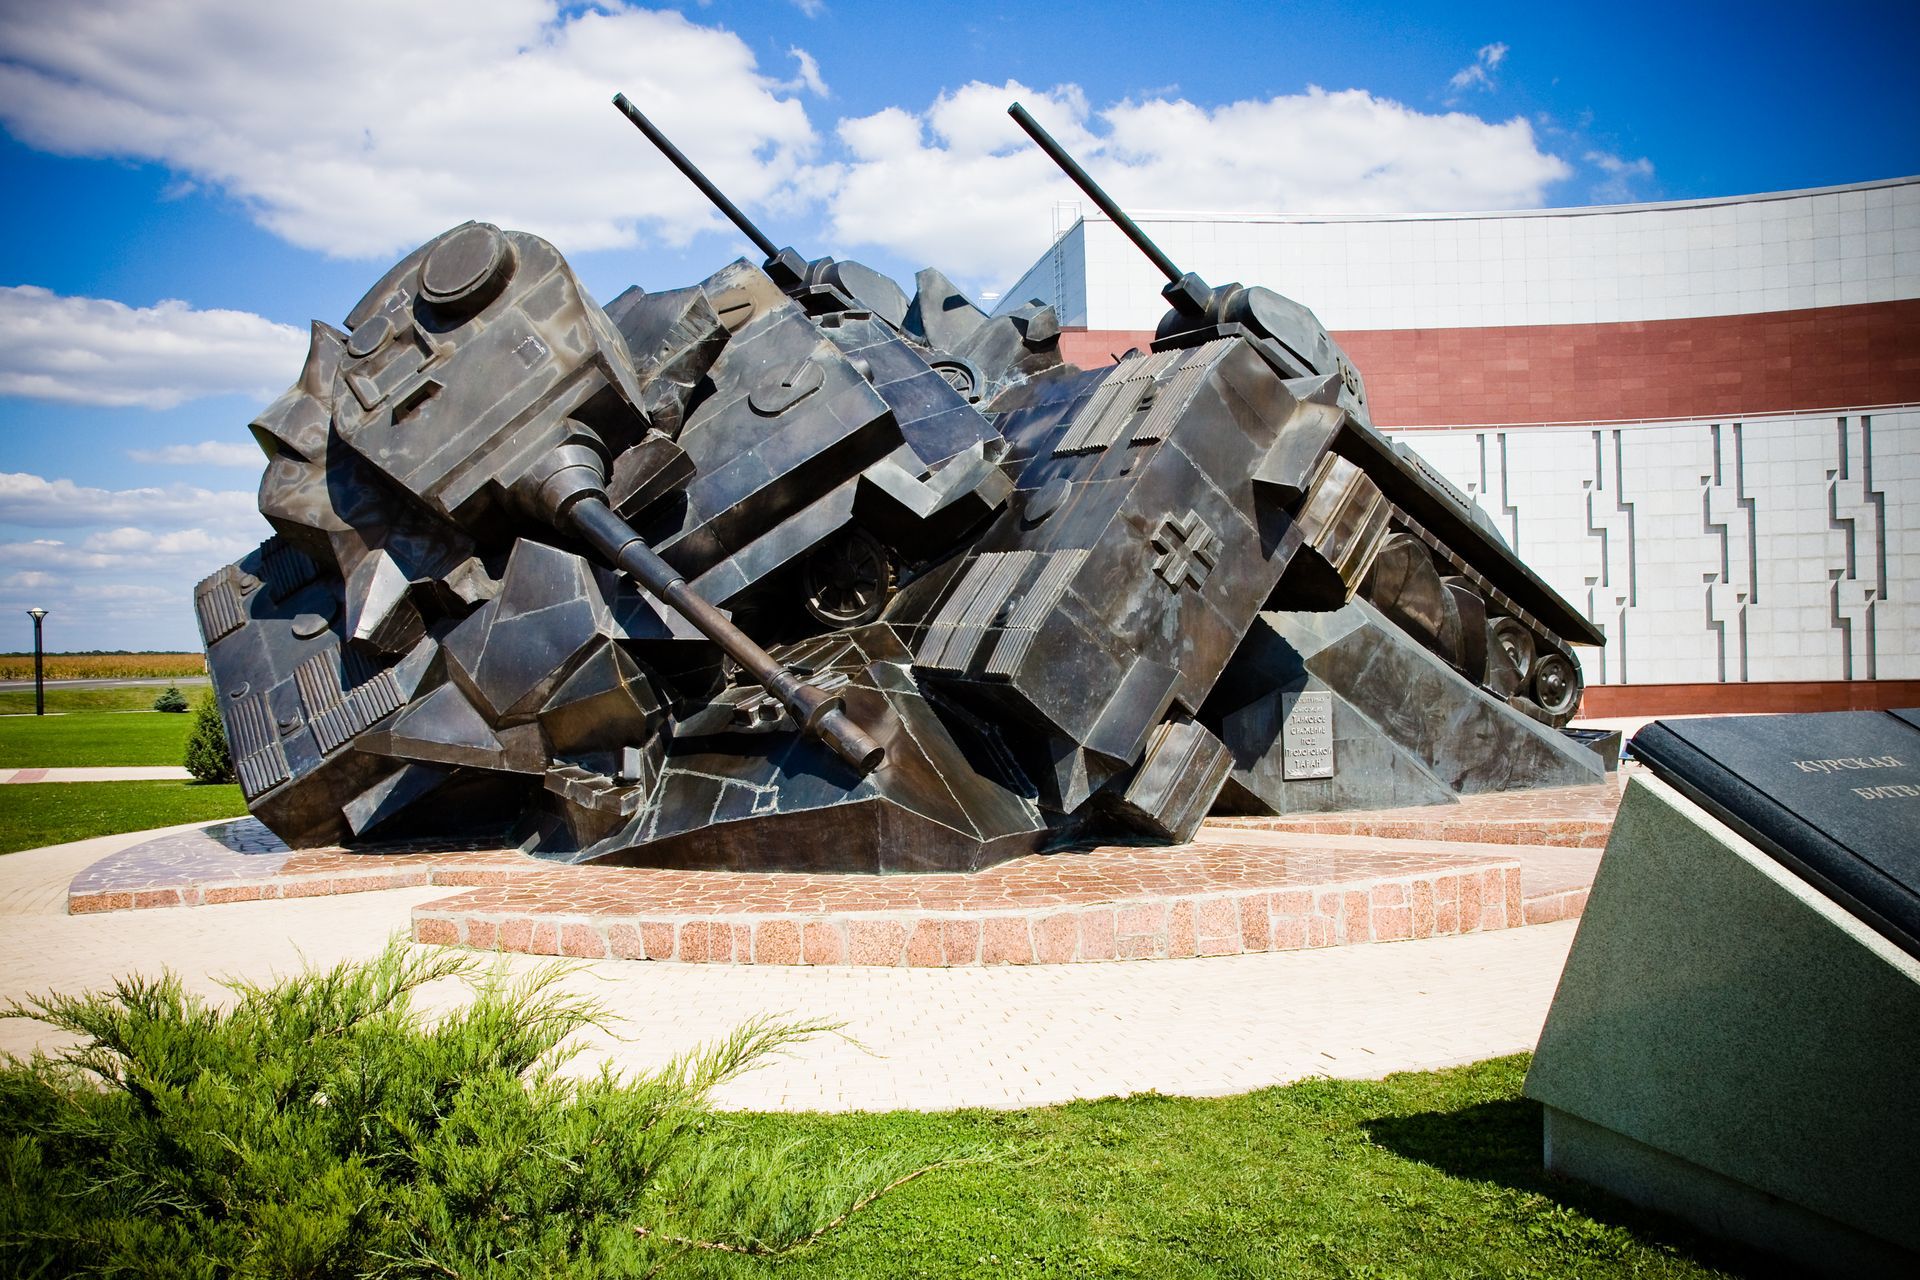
790, 570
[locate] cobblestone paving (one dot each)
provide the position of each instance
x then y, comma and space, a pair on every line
926, 1038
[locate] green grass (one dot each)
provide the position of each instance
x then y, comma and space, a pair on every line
320, 1127
83, 738
108, 697
1418, 1175
41, 813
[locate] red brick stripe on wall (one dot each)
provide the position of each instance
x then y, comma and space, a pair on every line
1714, 366
1754, 698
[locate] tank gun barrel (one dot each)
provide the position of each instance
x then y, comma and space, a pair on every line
1071, 167
1189, 294
697, 178
568, 490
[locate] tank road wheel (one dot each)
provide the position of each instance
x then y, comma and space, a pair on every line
1556, 686
1518, 642
848, 580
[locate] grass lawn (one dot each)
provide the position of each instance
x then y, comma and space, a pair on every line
107, 697
319, 1129
1418, 1175
40, 813
81, 738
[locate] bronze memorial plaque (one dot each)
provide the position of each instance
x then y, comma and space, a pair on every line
1306, 734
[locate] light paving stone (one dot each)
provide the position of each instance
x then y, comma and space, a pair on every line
930, 1038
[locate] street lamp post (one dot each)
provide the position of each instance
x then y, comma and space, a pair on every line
39, 678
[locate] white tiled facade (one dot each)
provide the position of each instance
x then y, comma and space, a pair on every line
1781, 548
1826, 248
1773, 548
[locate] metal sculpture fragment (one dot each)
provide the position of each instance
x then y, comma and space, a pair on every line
788, 570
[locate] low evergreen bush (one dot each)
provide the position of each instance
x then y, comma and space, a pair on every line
208, 758
321, 1127
171, 700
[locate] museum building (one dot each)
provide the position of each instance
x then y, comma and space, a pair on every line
1698, 420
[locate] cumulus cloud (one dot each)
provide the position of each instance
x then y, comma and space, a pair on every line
807, 74
959, 184
98, 351
1623, 176
136, 598
360, 128
37, 502
1478, 74
208, 453
119, 569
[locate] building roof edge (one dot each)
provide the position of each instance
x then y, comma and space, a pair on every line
1571, 211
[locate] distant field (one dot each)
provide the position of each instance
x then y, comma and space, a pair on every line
41, 813
105, 666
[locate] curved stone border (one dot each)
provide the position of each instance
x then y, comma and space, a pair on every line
1471, 899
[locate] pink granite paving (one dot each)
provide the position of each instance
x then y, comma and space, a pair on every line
241, 861
1230, 893
1564, 817
1236, 890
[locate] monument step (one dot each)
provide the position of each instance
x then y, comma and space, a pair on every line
1233, 891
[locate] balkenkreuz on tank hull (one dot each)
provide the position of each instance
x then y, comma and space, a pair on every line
787, 570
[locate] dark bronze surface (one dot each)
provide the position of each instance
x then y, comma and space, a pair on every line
787, 569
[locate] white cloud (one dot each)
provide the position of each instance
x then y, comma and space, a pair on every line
122, 570
1478, 74
960, 186
1623, 176
807, 75
208, 453
361, 127
209, 547
811, 8
37, 502
98, 351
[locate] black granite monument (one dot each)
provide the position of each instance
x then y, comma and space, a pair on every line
1835, 797
788, 569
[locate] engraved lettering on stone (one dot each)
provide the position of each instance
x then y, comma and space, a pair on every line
1306, 735
1897, 791
1847, 762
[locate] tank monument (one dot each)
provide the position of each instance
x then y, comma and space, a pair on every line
790, 570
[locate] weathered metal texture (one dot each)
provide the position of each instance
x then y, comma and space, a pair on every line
788, 570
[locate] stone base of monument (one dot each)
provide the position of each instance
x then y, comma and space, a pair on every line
1729, 1045
1468, 868
1403, 728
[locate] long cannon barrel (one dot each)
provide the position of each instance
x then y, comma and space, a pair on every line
1081, 179
570, 491
699, 179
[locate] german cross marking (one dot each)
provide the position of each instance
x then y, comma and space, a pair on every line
1188, 551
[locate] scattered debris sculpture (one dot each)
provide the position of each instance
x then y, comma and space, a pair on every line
788, 570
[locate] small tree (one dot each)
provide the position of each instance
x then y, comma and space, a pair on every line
208, 757
171, 700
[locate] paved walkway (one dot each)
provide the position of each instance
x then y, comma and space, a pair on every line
101, 773
926, 1038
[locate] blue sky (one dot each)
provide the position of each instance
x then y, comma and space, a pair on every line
191, 181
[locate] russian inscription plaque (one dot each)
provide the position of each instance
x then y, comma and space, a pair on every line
1835, 796
1306, 734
